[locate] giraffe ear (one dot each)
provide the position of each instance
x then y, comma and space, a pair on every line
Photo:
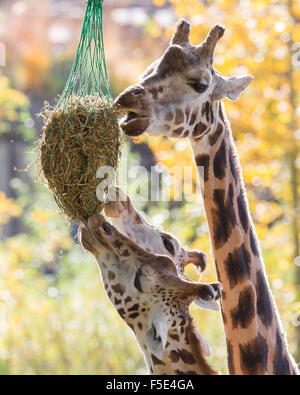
234, 86
198, 258
156, 336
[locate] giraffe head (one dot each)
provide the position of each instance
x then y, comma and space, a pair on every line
128, 221
146, 288
175, 94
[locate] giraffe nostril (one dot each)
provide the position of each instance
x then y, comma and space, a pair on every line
107, 228
137, 90
206, 292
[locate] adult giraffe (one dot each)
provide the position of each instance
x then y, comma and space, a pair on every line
180, 95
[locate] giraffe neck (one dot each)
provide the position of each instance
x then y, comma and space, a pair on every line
255, 340
183, 355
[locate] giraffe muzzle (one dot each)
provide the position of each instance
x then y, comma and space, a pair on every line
130, 102
99, 228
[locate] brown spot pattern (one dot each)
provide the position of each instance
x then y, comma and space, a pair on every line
220, 162
243, 314
203, 160
133, 315
134, 307
215, 136
187, 113
121, 312
263, 303
157, 361
254, 356
223, 216
118, 289
229, 357
110, 275
281, 364
179, 117
125, 253
199, 129
169, 116
174, 356
221, 115
206, 110
193, 118
237, 265
253, 243
186, 356
233, 165
178, 131
118, 244
243, 212
154, 93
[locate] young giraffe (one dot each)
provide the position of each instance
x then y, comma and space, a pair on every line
179, 96
152, 298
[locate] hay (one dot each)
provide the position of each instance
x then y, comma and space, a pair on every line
76, 141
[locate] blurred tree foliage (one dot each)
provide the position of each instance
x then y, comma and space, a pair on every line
55, 317
14, 110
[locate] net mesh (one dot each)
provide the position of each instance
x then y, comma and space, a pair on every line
88, 75
81, 132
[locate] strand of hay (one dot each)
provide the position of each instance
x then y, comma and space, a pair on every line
77, 139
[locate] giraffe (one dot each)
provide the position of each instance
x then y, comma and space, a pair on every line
153, 299
180, 95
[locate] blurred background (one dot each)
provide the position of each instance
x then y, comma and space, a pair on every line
55, 317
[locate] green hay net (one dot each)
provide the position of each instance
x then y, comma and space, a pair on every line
81, 133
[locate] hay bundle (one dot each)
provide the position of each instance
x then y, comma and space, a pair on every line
77, 139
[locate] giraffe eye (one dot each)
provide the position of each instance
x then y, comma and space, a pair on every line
137, 281
199, 87
169, 246
107, 229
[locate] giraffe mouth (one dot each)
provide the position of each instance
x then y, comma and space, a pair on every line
135, 123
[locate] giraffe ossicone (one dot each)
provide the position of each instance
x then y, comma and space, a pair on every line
153, 298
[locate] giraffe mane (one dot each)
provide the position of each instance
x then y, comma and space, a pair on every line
197, 349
